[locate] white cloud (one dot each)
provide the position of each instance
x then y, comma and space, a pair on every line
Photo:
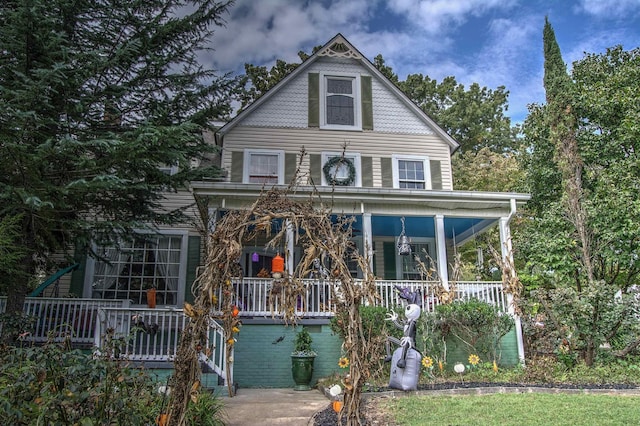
607, 9
259, 32
438, 16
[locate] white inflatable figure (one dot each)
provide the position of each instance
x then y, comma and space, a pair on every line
412, 313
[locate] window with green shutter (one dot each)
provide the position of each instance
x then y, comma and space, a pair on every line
340, 101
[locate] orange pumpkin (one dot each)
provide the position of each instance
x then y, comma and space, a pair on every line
337, 406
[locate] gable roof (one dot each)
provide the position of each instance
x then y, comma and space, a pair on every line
338, 46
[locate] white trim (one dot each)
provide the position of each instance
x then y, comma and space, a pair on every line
426, 166
245, 163
357, 109
353, 156
169, 169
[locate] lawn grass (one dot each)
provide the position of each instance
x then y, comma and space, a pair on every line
516, 409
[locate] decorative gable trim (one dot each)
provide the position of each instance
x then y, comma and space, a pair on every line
340, 48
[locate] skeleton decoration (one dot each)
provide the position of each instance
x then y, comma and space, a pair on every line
405, 367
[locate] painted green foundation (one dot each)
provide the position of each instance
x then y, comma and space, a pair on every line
262, 355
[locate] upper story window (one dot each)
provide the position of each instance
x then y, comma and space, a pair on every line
340, 102
411, 172
263, 166
341, 170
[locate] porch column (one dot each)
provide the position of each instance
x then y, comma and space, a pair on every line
212, 219
441, 247
367, 238
507, 256
290, 239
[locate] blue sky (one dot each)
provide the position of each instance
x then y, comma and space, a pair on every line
491, 42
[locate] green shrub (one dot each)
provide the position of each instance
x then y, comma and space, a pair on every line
54, 385
476, 325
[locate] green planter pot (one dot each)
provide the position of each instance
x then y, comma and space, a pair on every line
302, 370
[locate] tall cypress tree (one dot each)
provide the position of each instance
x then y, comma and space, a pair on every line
563, 126
96, 96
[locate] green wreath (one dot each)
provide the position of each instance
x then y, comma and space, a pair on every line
329, 171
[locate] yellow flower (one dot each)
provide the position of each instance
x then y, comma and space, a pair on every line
474, 359
230, 342
235, 330
343, 362
427, 362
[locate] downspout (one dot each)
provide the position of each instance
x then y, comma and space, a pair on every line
507, 255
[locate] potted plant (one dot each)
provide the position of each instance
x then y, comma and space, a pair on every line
302, 359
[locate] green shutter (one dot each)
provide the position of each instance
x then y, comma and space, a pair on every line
314, 100
389, 253
193, 261
237, 159
315, 168
387, 172
290, 165
367, 102
366, 164
436, 174
76, 286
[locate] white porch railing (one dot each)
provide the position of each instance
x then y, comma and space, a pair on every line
61, 318
255, 296
153, 335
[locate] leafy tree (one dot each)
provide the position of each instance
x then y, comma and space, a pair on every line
95, 97
474, 116
487, 170
582, 171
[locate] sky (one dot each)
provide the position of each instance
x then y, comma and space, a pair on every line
490, 42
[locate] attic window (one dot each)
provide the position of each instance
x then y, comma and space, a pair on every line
340, 102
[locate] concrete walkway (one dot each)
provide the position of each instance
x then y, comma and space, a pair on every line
253, 406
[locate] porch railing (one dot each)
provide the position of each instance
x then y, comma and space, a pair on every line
262, 296
62, 318
153, 335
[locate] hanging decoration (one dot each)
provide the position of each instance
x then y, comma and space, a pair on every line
277, 266
331, 168
255, 257
404, 243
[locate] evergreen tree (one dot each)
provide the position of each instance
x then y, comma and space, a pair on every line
96, 96
563, 128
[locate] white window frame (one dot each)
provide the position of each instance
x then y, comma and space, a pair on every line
426, 167
88, 289
169, 169
247, 156
355, 159
357, 110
